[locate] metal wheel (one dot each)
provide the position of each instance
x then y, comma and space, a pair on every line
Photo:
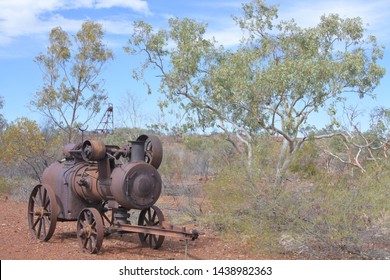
153, 149
42, 212
151, 217
90, 230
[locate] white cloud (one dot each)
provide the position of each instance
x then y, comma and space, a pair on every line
307, 13
35, 17
137, 5
228, 36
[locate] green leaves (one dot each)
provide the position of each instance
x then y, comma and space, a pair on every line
272, 82
181, 56
15, 145
71, 72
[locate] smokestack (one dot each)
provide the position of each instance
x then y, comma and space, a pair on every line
137, 151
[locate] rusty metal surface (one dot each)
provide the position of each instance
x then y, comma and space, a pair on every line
136, 185
176, 233
89, 182
153, 149
42, 212
93, 150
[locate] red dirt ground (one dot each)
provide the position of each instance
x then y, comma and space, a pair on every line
16, 243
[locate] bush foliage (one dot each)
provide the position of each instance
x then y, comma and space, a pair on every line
315, 214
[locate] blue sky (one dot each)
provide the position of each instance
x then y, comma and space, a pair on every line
25, 26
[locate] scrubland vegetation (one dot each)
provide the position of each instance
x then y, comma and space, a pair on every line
324, 208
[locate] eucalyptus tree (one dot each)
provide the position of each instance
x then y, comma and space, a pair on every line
272, 82
72, 92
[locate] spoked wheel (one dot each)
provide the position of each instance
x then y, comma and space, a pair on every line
151, 217
153, 149
90, 230
42, 212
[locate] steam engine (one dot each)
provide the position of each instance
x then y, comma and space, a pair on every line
94, 179
89, 176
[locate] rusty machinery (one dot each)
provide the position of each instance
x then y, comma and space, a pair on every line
91, 187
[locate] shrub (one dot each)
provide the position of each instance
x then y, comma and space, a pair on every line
330, 217
19, 188
5, 186
305, 162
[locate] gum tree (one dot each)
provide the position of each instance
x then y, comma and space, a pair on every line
273, 82
72, 91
